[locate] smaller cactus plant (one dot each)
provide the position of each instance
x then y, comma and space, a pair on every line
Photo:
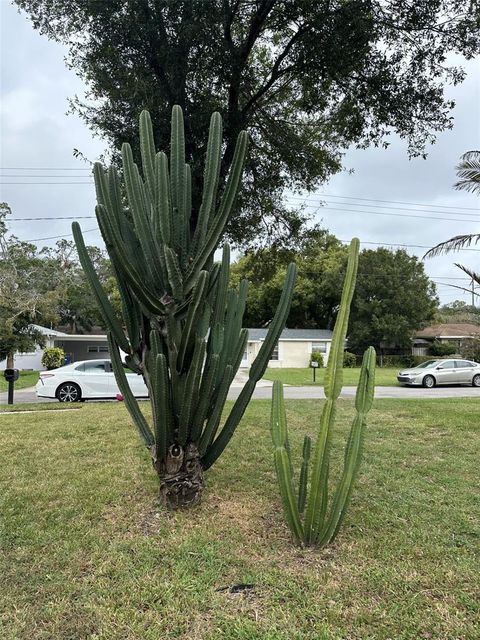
312, 518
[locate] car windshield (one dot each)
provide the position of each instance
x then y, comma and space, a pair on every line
427, 365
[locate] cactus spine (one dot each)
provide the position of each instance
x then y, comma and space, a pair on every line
321, 523
181, 326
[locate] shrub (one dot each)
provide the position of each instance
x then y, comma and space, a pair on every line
471, 349
441, 349
349, 360
316, 356
53, 357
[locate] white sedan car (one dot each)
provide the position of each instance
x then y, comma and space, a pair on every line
86, 380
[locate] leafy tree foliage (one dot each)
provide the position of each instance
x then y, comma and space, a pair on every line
45, 287
26, 294
393, 295
393, 298
457, 311
308, 79
77, 308
321, 260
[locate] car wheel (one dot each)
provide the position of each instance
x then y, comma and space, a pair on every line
429, 382
69, 392
476, 380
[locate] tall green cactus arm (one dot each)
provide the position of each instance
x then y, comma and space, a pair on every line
178, 180
191, 392
256, 371
210, 179
106, 308
334, 371
130, 401
218, 225
140, 207
303, 481
163, 206
123, 264
282, 462
162, 406
131, 312
353, 451
195, 312
205, 397
317, 502
147, 150
214, 418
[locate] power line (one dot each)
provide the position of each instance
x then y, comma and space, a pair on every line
376, 206
414, 204
384, 213
62, 237
45, 168
409, 246
42, 183
26, 175
53, 218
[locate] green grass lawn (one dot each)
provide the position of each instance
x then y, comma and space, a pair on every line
87, 553
385, 377
26, 379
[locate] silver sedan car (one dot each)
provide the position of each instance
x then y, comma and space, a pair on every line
448, 371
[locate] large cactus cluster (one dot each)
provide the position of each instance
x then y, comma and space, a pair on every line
312, 518
181, 326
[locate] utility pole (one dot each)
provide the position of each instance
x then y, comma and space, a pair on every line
473, 292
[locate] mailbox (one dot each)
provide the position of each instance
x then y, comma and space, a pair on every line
314, 364
11, 375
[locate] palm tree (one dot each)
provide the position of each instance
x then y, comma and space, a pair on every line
468, 172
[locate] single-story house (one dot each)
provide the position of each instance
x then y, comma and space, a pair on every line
454, 333
32, 360
294, 348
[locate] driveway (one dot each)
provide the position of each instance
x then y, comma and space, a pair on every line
264, 391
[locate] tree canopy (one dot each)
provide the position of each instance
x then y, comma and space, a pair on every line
321, 261
307, 79
393, 298
26, 293
44, 287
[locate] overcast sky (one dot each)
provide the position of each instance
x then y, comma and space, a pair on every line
36, 133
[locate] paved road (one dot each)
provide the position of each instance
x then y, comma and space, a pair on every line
299, 393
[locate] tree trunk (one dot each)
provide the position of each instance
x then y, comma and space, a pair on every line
181, 477
10, 361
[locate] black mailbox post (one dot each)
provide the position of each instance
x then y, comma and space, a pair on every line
10, 376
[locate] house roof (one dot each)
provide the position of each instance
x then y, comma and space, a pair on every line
79, 337
255, 335
453, 330
46, 331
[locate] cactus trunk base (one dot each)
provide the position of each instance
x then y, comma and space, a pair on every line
181, 477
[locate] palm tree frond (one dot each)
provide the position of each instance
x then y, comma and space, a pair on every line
454, 244
472, 274
468, 170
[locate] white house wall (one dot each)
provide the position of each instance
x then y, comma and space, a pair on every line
291, 353
28, 361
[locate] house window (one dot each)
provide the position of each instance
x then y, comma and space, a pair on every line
274, 355
97, 349
319, 347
